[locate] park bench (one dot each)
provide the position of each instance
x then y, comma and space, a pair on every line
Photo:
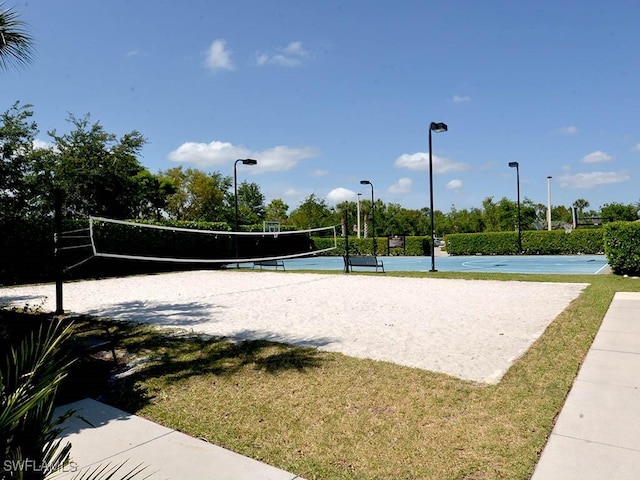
269, 263
361, 261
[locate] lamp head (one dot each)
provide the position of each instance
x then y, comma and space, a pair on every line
249, 161
514, 164
438, 127
365, 182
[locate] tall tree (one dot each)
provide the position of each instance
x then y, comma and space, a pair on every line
17, 133
152, 195
251, 208
277, 211
612, 212
96, 170
198, 196
16, 44
311, 213
581, 204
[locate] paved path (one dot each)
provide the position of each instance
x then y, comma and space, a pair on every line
597, 435
103, 435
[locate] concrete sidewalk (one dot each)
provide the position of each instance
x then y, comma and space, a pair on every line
597, 435
103, 435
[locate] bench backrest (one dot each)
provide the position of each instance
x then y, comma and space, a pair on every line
363, 261
270, 263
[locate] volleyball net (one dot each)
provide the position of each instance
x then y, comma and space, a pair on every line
126, 240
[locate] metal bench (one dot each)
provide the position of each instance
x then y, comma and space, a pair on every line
269, 263
361, 261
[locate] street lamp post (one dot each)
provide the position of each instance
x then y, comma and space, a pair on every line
358, 213
244, 161
373, 218
438, 128
516, 165
549, 203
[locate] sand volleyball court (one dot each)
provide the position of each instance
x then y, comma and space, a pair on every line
472, 329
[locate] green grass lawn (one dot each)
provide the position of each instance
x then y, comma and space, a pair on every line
329, 416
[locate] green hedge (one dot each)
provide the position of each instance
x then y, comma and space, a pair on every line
622, 247
414, 246
536, 242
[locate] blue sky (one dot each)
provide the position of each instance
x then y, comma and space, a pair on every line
324, 93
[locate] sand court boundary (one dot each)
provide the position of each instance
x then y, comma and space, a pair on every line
471, 329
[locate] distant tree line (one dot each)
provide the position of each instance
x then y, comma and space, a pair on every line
100, 174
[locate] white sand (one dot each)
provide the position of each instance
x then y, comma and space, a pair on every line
471, 329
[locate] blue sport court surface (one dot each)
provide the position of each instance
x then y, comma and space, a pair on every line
560, 264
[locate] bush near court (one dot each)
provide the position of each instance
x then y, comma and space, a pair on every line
538, 242
414, 246
622, 247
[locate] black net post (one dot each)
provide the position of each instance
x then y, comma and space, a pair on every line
346, 241
56, 245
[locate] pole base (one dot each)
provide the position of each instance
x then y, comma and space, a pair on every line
433, 270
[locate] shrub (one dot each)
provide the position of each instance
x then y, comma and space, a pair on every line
414, 246
536, 242
622, 247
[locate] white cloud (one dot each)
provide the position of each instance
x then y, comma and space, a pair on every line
281, 158
218, 57
592, 179
420, 162
41, 144
403, 185
290, 56
339, 195
454, 184
320, 173
569, 130
636, 148
461, 98
215, 154
597, 157
292, 192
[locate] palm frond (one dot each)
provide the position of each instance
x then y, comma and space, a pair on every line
16, 44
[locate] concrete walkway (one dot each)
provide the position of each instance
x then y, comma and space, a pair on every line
103, 435
597, 435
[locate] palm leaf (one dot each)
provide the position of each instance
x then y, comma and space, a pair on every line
16, 44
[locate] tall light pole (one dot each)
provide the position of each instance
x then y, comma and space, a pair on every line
549, 203
358, 212
245, 161
438, 128
373, 218
516, 165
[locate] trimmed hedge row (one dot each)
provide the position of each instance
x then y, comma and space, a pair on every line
537, 242
414, 246
622, 247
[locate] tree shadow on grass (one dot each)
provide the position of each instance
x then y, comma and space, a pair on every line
146, 352
174, 356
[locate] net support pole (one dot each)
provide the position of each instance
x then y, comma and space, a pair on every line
346, 241
57, 199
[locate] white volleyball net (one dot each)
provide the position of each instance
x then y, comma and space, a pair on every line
125, 240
